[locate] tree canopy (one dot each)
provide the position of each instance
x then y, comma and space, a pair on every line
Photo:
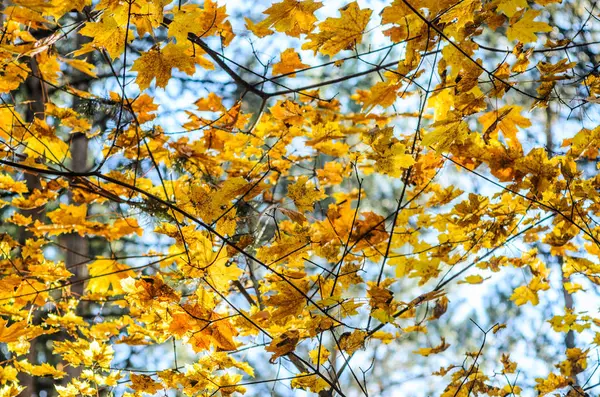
213, 198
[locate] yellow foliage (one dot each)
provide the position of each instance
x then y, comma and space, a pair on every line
317, 223
337, 34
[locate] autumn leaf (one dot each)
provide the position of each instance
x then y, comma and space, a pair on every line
383, 94
108, 34
290, 62
283, 344
473, 279
507, 119
13, 332
9, 184
158, 63
551, 383
319, 356
569, 322
525, 28
427, 351
106, 276
144, 383
353, 341
529, 293
304, 194
43, 369
258, 29
293, 17
446, 133
233, 216
337, 34
211, 264
510, 7
309, 382
202, 21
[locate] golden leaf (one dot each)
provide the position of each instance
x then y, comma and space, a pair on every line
108, 34
293, 17
157, 63
337, 34
524, 30
290, 62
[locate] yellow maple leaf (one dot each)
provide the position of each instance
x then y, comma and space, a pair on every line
43, 369
529, 293
570, 321
210, 264
69, 214
258, 29
313, 383
144, 383
446, 133
228, 384
292, 17
81, 351
571, 287
224, 360
473, 279
222, 333
550, 384
157, 63
510, 7
43, 141
290, 62
525, 29
13, 74
283, 344
319, 356
106, 276
68, 118
9, 118
353, 341
202, 22
390, 155
395, 12
212, 103
9, 184
337, 34
304, 194
427, 351
13, 332
506, 119
123, 227
383, 93
147, 15
49, 67
288, 112
108, 34
461, 14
